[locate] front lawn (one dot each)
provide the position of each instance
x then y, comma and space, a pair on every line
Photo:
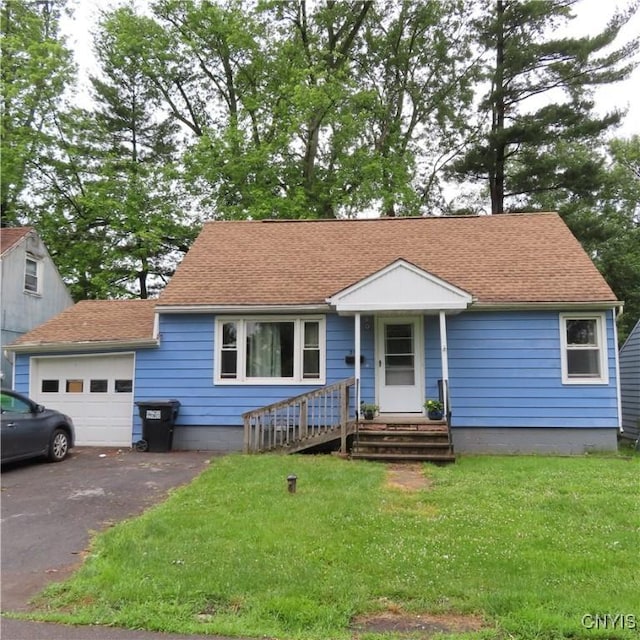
533, 545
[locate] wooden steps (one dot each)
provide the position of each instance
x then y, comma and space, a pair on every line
426, 442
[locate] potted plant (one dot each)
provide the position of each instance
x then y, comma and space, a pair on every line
368, 411
434, 408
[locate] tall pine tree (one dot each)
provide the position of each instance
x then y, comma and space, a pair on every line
540, 95
112, 206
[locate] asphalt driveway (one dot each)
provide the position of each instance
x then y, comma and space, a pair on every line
50, 511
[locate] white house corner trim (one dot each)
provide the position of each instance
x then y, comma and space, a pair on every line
357, 351
444, 355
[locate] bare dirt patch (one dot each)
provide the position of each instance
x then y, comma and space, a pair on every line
422, 626
407, 477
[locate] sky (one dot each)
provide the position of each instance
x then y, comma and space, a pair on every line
592, 15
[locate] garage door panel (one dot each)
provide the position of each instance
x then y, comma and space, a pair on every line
96, 391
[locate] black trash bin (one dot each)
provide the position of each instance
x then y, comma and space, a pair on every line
158, 420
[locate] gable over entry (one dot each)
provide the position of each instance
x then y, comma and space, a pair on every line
400, 288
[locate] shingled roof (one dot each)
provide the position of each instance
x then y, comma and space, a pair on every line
93, 323
10, 236
501, 259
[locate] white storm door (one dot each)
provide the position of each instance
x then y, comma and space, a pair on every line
400, 360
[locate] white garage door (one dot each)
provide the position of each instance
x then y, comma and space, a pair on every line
96, 391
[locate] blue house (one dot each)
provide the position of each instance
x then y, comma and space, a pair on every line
504, 319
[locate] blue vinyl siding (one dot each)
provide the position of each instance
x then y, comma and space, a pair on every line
505, 371
433, 356
183, 368
368, 352
21, 379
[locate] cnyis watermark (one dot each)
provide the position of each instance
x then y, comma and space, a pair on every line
609, 621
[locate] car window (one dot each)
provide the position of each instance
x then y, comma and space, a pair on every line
15, 405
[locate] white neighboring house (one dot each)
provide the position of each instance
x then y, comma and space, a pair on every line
31, 288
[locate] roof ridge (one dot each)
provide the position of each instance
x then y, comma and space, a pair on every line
112, 300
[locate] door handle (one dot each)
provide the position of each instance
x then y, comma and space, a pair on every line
11, 424
379, 363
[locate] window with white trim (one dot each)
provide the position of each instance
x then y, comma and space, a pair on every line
270, 350
584, 349
31, 275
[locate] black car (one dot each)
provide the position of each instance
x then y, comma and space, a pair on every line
30, 430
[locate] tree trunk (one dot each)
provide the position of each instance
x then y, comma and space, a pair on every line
496, 172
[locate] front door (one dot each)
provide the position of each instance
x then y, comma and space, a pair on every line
399, 374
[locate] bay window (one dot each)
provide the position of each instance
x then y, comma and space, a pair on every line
269, 350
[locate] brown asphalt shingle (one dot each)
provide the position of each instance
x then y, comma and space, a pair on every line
94, 321
524, 258
507, 258
10, 236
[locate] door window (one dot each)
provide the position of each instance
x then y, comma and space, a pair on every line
399, 355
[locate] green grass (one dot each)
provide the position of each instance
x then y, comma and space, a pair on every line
532, 544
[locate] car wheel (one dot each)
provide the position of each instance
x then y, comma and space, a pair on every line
59, 446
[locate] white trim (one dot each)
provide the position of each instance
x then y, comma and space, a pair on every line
297, 378
444, 356
61, 347
85, 355
357, 350
545, 306
601, 333
377, 307
474, 305
30, 257
242, 308
419, 354
156, 326
400, 286
35, 388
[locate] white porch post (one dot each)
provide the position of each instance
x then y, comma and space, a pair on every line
445, 360
357, 360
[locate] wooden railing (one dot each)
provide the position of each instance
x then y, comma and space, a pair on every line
303, 421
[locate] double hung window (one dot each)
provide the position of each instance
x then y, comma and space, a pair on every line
270, 350
584, 349
31, 275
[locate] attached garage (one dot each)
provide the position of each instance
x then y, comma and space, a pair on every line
95, 390
82, 362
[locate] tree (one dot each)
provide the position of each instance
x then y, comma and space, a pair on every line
138, 161
113, 198
36, 69
524, 121
619, 257
602, 208
293, 109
